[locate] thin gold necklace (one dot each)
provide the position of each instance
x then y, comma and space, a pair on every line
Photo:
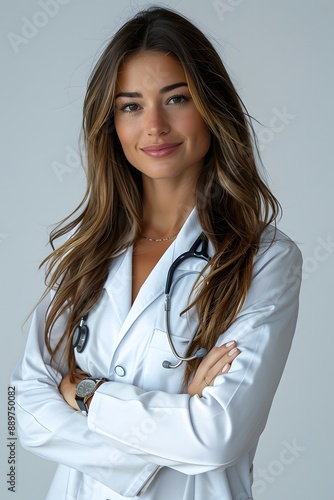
160, 239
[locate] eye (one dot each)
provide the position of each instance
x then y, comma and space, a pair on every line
129, 107
178, 99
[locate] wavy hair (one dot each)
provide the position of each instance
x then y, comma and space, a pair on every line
233, 202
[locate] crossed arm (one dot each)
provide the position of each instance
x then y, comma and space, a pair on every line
218, 361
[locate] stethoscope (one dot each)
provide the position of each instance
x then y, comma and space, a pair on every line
81, 332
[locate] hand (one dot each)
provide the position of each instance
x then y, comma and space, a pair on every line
67, 388
216, 362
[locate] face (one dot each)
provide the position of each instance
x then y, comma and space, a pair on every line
160, 129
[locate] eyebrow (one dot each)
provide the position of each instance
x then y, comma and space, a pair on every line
168, 88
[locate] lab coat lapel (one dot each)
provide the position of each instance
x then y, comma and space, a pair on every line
119, 286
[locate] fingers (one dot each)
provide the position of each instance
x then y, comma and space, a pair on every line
216, 354
218, 361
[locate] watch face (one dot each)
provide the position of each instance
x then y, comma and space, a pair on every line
85, 387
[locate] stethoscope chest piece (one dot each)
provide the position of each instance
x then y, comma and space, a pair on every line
80, 335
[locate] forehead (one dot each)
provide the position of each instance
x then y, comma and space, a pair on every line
147, 71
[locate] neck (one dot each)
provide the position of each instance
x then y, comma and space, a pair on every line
166, 206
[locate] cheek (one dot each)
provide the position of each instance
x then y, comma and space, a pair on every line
193, 125
128, 138
120, 134
126, 134
200, 133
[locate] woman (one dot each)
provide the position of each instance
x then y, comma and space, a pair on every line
170, 163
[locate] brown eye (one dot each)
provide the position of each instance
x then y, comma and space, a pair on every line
129, 107
178, 99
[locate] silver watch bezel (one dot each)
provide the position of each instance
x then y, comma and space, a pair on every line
85, 387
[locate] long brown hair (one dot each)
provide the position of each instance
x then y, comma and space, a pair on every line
234, 204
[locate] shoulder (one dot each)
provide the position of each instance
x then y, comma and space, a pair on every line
274, 244
277, 266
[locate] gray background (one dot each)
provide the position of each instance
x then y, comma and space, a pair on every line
279, 55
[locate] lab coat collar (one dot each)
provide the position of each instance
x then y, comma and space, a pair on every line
119, 286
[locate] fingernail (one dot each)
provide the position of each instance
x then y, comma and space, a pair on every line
232, 351
229, 343
226, 367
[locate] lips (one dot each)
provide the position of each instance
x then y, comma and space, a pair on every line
161, 150
159, 147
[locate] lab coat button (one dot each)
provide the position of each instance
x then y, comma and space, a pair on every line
120, 371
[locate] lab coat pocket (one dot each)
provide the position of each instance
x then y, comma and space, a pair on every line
155, 376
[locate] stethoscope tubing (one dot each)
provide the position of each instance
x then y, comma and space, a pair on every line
81, 332
202, 254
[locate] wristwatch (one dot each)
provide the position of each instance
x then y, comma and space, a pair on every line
85, 390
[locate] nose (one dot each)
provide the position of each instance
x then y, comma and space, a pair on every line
157, 122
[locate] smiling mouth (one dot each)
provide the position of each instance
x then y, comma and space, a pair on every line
159, 150
159, 147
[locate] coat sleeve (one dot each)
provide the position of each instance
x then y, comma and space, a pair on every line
193, 434
50, 428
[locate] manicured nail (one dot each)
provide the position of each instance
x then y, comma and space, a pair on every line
232, 351
226, 367
231, 342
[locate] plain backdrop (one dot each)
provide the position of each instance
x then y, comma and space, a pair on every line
279, 55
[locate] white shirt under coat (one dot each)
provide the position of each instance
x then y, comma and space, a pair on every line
142, 434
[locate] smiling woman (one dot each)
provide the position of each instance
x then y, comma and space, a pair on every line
161, 123
156, 350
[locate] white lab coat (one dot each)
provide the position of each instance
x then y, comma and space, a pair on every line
142, 431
